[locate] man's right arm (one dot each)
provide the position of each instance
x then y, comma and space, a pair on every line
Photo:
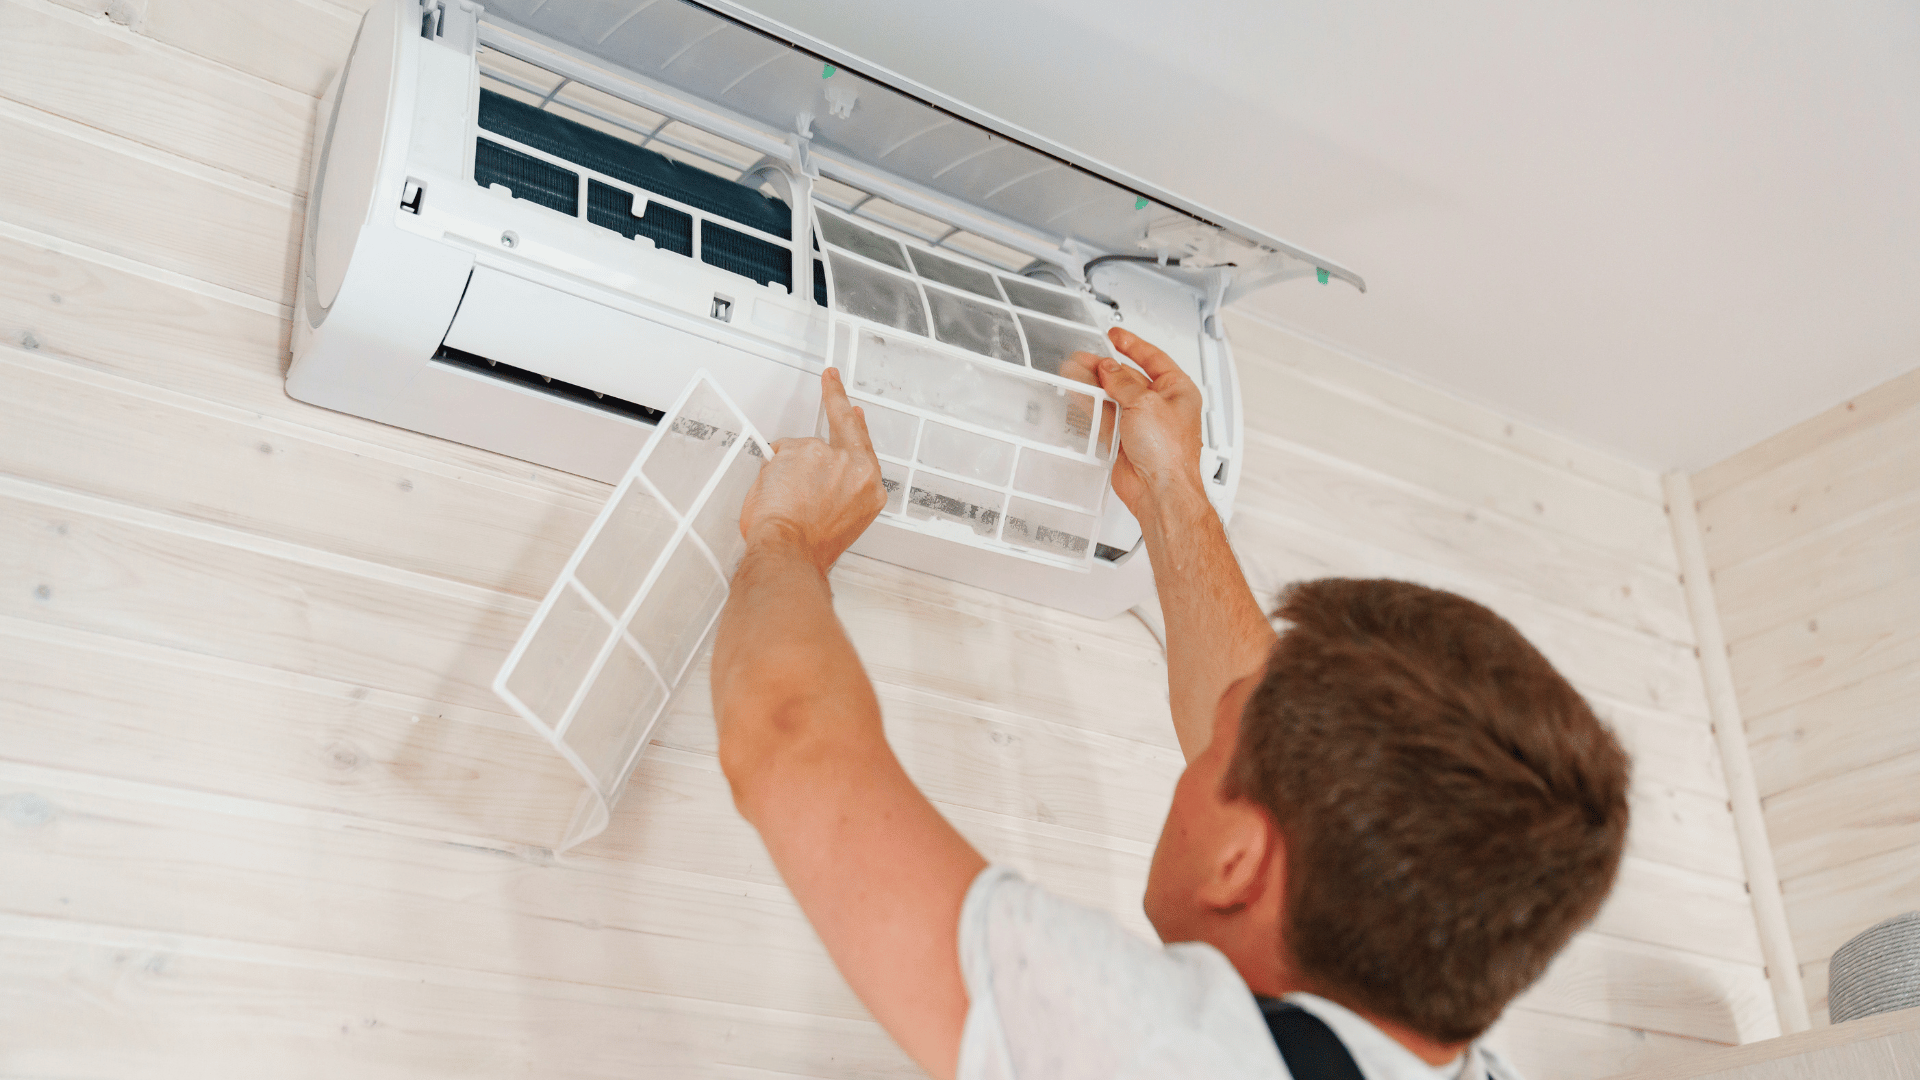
1216, 633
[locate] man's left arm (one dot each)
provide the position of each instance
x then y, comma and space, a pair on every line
879, 873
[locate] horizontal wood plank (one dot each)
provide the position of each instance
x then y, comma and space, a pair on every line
1828, 907
1253, 336
1681, 908
1837, 732
1543, 1046
1841, 645
1294, 410
134, 444
179, 868
1830, 483
1866, 553
1599, 655
105, 76
968, 754
580, 917
87, 1001
1863, 410
263, 605
1666, 750
189, 870
182, 336
1829, 823
218, 227
1492, 548
1684, 829
299, 44
1656, 989
154, 716
165, 581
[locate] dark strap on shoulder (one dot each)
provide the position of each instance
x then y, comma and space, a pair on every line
1310, 1048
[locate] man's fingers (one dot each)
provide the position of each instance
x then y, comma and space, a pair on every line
1121, 382
846, 425
1080, 367
1149, 356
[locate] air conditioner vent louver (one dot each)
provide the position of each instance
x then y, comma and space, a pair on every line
532, 380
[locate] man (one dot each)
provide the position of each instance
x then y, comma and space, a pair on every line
1393, 815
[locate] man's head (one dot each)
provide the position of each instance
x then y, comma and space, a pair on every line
1410, 808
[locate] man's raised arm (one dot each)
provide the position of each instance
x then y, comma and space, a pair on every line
879, 873
1216, 632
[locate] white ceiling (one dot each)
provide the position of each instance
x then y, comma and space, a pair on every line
1667, 230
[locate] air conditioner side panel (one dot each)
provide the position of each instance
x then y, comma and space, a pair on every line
373, 300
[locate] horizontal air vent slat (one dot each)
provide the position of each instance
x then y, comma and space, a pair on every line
493, 369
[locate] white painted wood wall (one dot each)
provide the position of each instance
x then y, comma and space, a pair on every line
1814, 541
260, 816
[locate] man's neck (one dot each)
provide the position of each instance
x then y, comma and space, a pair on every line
1277, 982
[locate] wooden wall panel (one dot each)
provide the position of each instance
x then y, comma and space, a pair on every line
114, 1002
107, 77
73, 181
1814, 542
298, 45
262, 816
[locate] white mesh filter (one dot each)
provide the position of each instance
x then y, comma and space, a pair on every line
618, 632
1035, 297
984, 437
877, 296
975, 326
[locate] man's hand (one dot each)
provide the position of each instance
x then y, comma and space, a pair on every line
1216, 632
821, 494
879, 873
1159, 423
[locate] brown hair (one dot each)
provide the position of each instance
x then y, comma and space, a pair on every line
1453, 811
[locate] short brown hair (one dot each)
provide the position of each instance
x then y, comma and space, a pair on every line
1453, 811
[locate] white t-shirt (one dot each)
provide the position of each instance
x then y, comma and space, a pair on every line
1062, 992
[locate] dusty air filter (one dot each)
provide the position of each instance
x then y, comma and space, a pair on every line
1877, 972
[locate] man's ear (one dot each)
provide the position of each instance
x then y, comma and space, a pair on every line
1243, 858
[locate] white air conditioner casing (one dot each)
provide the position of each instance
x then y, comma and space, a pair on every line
511, 319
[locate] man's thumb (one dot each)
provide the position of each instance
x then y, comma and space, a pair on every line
1121, 382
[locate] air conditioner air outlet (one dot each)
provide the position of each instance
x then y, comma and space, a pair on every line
533, 380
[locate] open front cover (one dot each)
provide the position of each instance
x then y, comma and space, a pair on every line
618, 632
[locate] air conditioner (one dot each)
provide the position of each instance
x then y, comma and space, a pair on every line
534, 228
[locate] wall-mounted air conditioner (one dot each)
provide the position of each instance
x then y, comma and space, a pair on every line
531, 227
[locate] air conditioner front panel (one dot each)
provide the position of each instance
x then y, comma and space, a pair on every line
535, 327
